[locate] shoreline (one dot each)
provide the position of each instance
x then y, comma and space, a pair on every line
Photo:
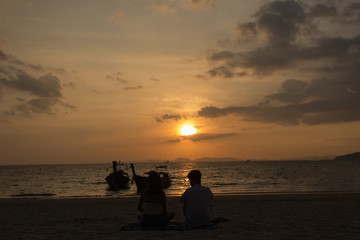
248, 195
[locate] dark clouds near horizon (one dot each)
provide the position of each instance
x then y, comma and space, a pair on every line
45, 91
202, 137
293, 40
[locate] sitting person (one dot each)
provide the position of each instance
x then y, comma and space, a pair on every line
152, 203
196, 201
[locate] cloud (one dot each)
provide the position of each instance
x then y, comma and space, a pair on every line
67, 105
172, 7
198, 4
101, 92
281, 21
17, 65
282, 24
247, 31
223, 71
201, 137
133, 88
154, 79
3, 56
351, 13
118, 13
57, 70
38, 105
10, 59
176, 140
45, 91
319, 101
332, 95
323, 11
45, 86
192, 60
4, 121
164, 8
206, 136
70, 85
20, 99
37, 67
165, 117
117, 78
200, 76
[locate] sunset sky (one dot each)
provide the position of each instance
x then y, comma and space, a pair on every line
96, 81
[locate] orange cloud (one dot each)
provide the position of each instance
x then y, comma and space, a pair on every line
199, 4
118, 13
164, 8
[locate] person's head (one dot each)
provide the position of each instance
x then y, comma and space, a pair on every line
194, 177
155, 185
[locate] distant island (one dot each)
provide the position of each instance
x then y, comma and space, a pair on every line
349, 157
207, 159
352, 157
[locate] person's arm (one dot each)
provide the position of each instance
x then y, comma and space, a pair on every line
184, 200
141, 202
211, 195
183, 196
163, 203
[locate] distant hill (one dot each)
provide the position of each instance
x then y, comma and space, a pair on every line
312, 158
224, 159
206, 159
349, 157
181, 160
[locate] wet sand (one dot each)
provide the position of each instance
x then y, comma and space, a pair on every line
282, 216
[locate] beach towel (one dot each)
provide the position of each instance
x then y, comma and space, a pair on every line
173, 226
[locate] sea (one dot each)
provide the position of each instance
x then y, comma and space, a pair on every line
238, 177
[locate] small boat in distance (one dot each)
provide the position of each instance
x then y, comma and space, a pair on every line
141, 181
118, 179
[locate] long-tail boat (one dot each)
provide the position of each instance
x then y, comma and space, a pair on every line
141, 181
118, 179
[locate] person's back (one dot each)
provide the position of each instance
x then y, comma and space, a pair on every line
152, 204
197, 201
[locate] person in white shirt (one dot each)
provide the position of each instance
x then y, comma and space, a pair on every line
196, 201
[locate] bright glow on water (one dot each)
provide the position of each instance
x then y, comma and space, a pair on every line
225, 178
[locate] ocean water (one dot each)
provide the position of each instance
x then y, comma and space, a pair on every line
88, 180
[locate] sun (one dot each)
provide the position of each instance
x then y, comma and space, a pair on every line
187, 130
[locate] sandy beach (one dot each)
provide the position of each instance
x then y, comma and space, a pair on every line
283, 216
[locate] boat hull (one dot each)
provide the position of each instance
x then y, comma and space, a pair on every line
117, 181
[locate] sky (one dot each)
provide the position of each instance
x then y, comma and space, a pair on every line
97, 81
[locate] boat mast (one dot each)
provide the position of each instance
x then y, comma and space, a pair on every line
133, 169
114, 166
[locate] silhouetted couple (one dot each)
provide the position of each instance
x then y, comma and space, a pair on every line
196, 201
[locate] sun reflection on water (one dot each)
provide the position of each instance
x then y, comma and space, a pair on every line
180, 181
